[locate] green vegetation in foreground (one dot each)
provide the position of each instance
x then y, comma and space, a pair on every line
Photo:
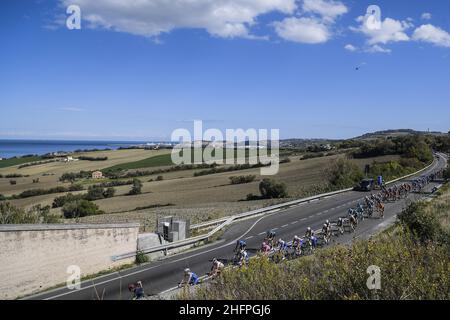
10, 214
18, 161
155, 161
414, 258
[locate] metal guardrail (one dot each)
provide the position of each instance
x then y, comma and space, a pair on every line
223, 222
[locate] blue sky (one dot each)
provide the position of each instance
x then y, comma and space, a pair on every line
139, 72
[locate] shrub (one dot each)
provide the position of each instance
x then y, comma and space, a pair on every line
285, 160
58, 202
109, 192
424, 225
312, 155
76, 187
242, 179
343, 173
159, 178
12, 182
136, 188
270, 189
15, 175
251, 197
80, 208
10, 214
95, 192
141, 257
93, 158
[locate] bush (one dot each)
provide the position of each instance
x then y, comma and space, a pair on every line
242, 179
136, 188
251, 197
2, 197
159, 178
343, 173
424, 225
10, 214
95, 192
80, 208
270, 189
285, 160
141, 257
93, 158
408, 272
58, 202
312, 155
109, 192
12, 182
75, 187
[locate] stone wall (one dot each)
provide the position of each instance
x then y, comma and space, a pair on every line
36, 257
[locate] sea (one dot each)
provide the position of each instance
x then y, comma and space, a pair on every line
19, 148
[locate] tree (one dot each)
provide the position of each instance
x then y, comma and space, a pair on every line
109, 193
95, 193
137, 187
10, 214
80, 208
270, 189
343, 173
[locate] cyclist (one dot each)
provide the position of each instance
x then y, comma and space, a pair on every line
271, 237
340, 225
137, 290
243, 258
282, 245
326, 232
265, 248
190, 278
216, 268
240, 245
309, 233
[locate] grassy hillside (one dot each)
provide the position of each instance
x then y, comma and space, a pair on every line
414, 258
155, 161
17, 161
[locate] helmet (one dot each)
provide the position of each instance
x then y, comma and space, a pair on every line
131, 287
327, 222
187, 270
325, 225
296, 237
309, 229
214, 260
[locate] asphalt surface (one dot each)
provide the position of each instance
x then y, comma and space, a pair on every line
162, 275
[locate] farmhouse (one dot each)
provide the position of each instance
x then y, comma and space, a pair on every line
97, 175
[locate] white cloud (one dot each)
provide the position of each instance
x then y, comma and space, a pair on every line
426, 16
328, 9
350, 47
303, 30
378, 49
315, 24
150, 18
431, 34
390, 30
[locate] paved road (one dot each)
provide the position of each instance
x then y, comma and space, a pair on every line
161, 275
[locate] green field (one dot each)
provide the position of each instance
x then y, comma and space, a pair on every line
18, 161
155, 161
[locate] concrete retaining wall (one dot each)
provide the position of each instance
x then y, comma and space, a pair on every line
36, 257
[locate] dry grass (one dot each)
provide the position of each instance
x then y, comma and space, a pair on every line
199, 198
56, 169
